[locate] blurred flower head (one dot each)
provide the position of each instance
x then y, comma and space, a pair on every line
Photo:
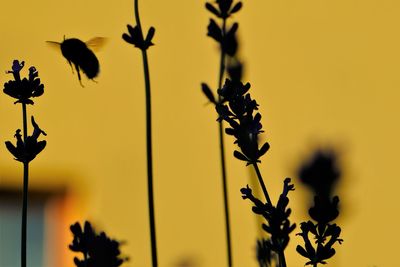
227, 39
320, 172
224, 8
25, 89
264, 253
98, 249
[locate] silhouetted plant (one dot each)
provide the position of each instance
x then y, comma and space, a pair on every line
239, 110
321, 175
265, 255
135, 37
98, 249
278, 225
27, 147
223, 9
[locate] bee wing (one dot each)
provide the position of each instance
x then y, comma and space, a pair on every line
54, 45
96, 43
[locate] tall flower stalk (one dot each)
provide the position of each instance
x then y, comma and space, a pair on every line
240, 111
136, 38
27, 147
223, 9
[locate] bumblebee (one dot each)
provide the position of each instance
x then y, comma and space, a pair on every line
80, 56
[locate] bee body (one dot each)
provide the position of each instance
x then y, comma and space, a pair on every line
77, 53
80, 56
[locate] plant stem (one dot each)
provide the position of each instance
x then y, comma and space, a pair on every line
150, 161
25, 193
149, 145
282, 260
222, 61
24, 121
261, 181
222, 155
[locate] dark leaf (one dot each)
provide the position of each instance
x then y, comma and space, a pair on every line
230, 131
214, 31
40, 146
263, 149
39, 90
264, 226
208, 93
213, 10
127, 38
302, 251
329, 253
131, 29
234, 28
11, 148
240, 156
150, 35
236, 7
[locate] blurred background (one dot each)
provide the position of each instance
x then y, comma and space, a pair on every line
325, 73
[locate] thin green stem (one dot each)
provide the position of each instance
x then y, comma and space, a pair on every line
222, 155
25, 194
149, 145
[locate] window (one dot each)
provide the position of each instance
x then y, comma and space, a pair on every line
45, 230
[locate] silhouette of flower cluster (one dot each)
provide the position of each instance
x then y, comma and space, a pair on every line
27, 147
227, 40
224, 9
277, 217
321, 175
326, 236
235, 72
98, 249
245, 126
135, 37
24, 89
28, 150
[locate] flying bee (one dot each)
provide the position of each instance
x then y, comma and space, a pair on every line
80, 54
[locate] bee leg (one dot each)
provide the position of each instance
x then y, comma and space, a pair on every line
79, 74
72, 68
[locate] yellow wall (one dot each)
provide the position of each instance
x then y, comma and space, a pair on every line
323, 72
